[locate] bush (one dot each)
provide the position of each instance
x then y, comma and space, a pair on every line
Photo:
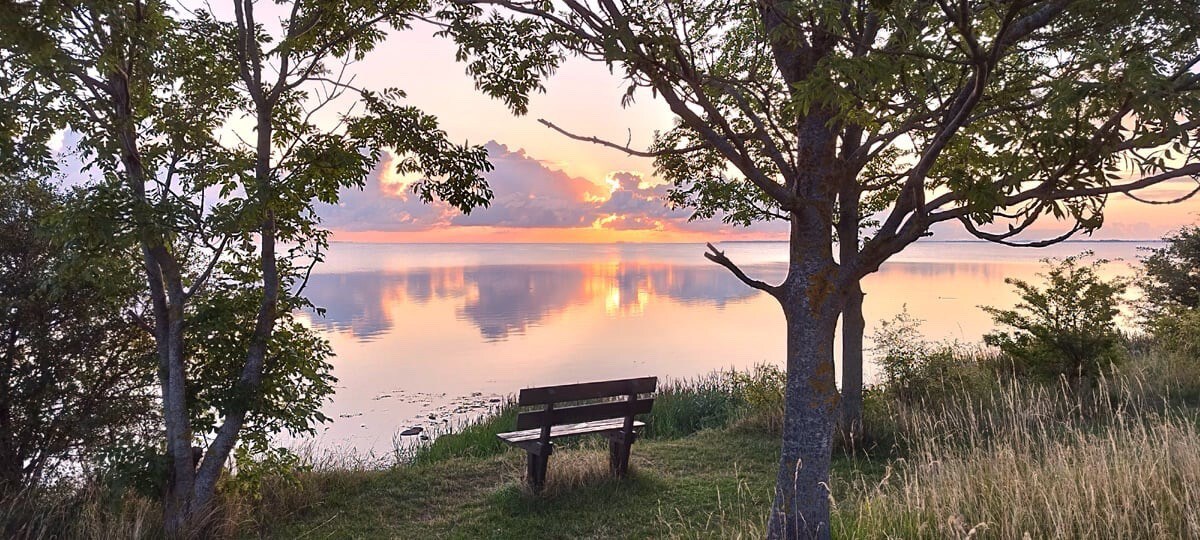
916, 369
1169, 277
76, 371
761, 393
1067, 327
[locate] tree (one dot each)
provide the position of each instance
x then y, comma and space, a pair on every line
1068, 326
986, 113
1171, 274
224, 219
700, 182
75, 374
1170, 280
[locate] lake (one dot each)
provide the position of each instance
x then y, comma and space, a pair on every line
427, 335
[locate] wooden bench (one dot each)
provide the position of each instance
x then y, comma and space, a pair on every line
611, 418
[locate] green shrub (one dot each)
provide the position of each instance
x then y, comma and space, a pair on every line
760, 391
1178, 331
915, 368
1067, 327
878, 435
1169, 277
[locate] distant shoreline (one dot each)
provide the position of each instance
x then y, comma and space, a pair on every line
982, 242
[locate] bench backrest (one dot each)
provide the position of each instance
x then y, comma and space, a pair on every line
553, 416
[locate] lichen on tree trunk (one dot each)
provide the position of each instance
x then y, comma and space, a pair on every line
811, 298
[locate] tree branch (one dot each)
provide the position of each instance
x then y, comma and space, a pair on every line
719, 257
623, 148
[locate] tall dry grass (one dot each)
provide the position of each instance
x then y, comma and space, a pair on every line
88, 511
84, 514
1036, 461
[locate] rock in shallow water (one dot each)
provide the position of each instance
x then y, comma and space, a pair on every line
412, 431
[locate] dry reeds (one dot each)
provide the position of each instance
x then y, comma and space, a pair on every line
1037, 461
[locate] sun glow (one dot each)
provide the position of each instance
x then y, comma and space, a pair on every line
392, 182
612, 300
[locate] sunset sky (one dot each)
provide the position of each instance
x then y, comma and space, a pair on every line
550, 188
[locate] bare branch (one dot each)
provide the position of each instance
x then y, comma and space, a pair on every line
718, 256
1179, 199
623, 148
202, 279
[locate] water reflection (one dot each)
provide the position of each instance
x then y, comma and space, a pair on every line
417, 327
506, 300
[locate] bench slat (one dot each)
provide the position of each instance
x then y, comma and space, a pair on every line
582, 391
583, 413
613, 424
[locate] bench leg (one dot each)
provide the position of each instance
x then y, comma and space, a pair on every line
618, 457
535, 471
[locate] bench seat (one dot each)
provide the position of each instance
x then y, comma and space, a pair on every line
527, 438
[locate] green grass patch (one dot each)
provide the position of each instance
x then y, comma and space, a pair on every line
474, 439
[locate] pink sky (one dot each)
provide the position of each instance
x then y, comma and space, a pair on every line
551, 188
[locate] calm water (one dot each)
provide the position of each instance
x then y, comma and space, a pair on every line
429, 334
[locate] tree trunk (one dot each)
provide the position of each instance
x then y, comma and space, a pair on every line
178, 508
853, 327
849, 233
811, 302
165, 285
250, 380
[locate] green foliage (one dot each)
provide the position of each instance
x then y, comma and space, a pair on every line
297, 376
132, 466
508, 58
1170, 275
259, 464
1178, 331
76, 373
423, 149
915, 369
1066, 327
762, 390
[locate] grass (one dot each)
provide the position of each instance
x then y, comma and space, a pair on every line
473, 498
1041, 462
1008, 459
472, 439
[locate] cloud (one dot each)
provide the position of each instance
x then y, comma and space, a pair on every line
383, 206
528, 194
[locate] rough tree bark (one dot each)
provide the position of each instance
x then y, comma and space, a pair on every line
811, 299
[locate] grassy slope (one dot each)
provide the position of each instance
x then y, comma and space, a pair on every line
714, 478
